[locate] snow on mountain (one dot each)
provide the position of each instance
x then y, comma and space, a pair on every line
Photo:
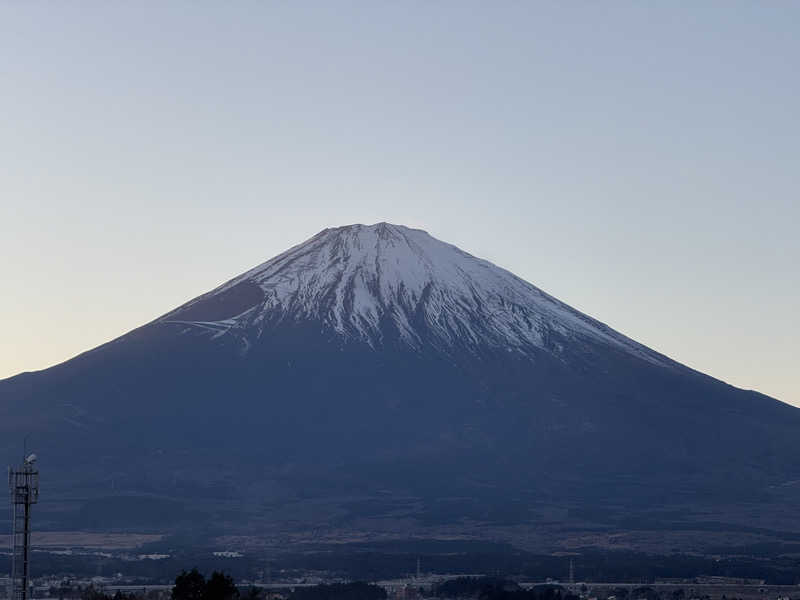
366, 282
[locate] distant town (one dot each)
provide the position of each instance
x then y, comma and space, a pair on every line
313, 586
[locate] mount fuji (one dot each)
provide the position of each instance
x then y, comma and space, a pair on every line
374, 379
391, 285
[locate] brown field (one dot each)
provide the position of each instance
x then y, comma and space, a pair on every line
83, 539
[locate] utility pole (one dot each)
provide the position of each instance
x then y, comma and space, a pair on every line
24, 488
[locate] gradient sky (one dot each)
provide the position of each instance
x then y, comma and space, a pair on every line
637, 160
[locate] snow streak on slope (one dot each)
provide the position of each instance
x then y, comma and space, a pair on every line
368, 282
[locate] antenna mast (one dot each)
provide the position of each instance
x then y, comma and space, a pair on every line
24, 488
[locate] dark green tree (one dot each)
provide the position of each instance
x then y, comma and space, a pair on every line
220, 587
189, 586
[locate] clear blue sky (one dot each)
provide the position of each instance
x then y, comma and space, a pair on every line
637, 160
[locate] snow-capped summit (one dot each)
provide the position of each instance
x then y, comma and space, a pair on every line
383, 282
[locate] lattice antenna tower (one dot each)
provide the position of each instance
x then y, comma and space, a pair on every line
23, 484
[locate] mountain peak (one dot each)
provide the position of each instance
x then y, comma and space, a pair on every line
387, 283
382, 231
378, 229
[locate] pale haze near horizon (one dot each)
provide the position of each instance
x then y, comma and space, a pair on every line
637, 161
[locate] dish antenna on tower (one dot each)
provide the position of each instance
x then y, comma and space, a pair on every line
23, 485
